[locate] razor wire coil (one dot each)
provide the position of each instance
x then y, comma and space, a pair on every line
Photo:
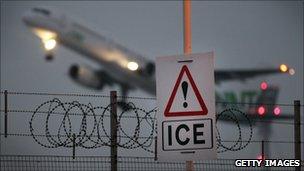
239, 143
98, 136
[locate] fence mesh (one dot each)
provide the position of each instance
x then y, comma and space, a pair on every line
94, 163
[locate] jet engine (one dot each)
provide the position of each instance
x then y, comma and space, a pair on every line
89, 77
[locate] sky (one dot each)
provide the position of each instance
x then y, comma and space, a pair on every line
243, 35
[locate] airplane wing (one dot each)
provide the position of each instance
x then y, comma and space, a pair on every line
242, 75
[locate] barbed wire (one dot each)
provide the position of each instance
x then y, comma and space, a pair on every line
132, 97
43, 135
54, 94
256, 104
74, 94
228, 141
29, 112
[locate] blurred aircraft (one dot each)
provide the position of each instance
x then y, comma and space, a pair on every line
127, 68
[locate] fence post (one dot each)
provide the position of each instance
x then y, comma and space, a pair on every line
263, 152
297, 132
155, 149
5, 113
113, 116
74, 144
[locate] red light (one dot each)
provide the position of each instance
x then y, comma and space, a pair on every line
263, 85
261, 157
261, 110
277, 111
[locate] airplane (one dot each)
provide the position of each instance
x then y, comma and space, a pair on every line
120, 65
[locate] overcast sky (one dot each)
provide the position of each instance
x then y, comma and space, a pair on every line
242, 34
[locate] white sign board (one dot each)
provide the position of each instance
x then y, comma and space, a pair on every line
186, 107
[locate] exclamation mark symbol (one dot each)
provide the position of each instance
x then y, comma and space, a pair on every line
185, 89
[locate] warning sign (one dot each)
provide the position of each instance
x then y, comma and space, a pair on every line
186, 103
187, 93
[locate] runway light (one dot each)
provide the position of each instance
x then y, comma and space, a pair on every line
263, 85
49, 44
133, 66
261, 110
291, 71
277, 111
283, 68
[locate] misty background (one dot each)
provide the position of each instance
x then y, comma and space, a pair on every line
244, 35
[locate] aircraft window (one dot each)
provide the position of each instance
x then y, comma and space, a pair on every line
42, 11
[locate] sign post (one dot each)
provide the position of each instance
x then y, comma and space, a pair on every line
187, 48
186, 102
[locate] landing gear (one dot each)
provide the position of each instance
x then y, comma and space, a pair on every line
49, 56
123, 104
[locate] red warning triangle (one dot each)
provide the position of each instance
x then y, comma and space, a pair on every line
202, 111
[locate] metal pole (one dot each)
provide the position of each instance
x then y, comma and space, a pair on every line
187, 26
113, 100
297, 132
187, 49
155, 149
74, 144
263, 153
5, 113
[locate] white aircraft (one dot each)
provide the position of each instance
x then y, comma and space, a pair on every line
120, 65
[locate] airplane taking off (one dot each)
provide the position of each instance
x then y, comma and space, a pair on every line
121, 66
